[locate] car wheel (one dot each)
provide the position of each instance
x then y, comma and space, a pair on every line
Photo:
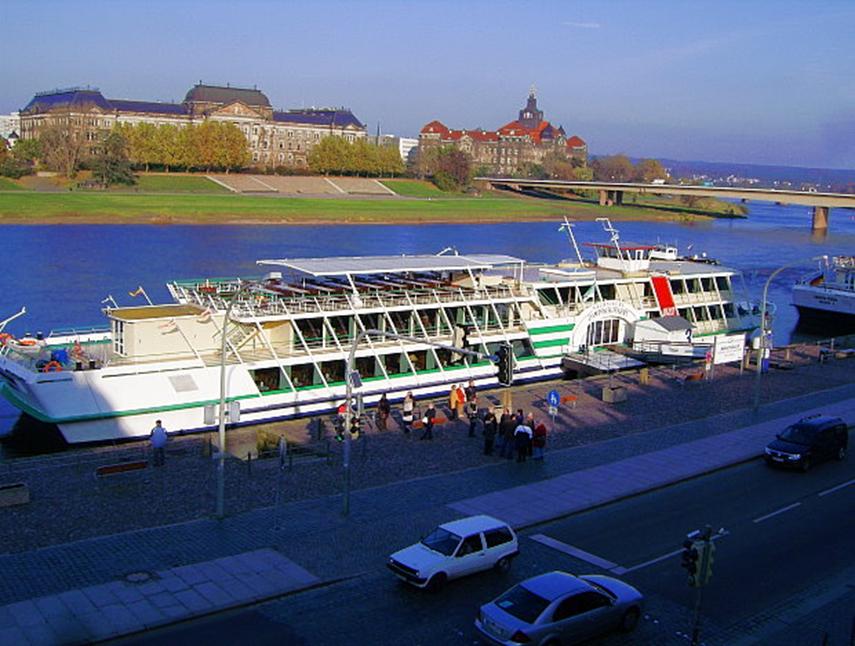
806, 465
503, 565
437, 582
630, 620
841, 453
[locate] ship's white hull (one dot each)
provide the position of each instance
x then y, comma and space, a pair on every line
96, 406
822, 305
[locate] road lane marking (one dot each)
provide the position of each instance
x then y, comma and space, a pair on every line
581, 554
658, 559
775, 513
664, 557
837, 488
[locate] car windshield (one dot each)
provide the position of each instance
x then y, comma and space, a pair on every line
798, 434
522, 604
442, 541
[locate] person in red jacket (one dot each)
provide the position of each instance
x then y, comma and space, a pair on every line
538, 442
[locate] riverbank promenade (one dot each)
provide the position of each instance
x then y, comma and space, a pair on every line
62, 590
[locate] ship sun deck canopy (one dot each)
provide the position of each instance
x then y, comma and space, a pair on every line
347, 266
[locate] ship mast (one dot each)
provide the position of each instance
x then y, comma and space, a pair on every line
568, 227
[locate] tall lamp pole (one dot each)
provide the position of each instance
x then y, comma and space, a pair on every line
221, 457
351, 378
761, 342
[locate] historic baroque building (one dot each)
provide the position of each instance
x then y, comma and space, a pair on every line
527, 140
276, 138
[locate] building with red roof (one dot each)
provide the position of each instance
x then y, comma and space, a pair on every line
507, 150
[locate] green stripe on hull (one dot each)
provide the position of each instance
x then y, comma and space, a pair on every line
550, 343
552, 328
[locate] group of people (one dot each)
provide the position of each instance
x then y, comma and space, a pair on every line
505, 433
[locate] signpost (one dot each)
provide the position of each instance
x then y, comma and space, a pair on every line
554, 400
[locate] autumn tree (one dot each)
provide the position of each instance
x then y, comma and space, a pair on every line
452, 170
61, 147
615, 168
111, 164
648, 170
20, 160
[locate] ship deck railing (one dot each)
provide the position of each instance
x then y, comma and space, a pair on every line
269, 303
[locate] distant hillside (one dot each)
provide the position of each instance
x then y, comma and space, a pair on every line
767, 175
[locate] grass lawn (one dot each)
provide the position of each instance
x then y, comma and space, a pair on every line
7, 184
168, 183
413, 188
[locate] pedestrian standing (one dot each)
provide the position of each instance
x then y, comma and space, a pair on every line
452, 402
472, 412
506, 429
461, 401
158, 437
407, 409
538, 442
427, 420
471, 393
529, 421
383, 410
522, 440
491, 427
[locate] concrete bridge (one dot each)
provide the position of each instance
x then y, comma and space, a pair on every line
612, 193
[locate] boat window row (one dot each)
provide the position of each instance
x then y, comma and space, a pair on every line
271, 380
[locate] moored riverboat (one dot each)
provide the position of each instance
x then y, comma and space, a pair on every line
289, 332
825, 298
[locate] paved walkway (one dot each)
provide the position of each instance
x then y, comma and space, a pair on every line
79, 592
146, 600
546, 500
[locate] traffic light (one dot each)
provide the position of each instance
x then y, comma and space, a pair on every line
355, 427
689, 561
706, 562
505, 364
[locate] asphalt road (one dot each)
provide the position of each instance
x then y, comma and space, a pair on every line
786, 532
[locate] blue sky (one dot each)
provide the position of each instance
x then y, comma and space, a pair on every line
748, 81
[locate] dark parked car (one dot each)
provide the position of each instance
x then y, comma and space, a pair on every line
808, 441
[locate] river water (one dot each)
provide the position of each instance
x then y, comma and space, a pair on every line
61, 273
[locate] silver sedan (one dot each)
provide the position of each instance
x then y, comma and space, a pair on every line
559, 608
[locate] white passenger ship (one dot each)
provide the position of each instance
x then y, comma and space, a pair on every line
826, 297
289, 334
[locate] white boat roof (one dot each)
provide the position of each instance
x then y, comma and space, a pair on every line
354, 265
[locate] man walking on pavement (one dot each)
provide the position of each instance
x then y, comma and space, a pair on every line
158, 437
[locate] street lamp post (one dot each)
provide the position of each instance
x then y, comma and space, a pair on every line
221, 457
761, 341
351, 379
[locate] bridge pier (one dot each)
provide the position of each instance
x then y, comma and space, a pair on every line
820, 218
604, 197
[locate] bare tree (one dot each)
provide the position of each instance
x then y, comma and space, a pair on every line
62, 146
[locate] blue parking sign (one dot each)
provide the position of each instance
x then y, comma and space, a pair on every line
553, 398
